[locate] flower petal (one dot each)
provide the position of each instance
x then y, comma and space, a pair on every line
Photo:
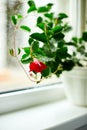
37, 66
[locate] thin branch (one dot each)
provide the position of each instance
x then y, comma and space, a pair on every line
15, 54
22, 67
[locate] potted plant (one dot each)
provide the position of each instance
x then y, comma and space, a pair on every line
46, 52
76, 80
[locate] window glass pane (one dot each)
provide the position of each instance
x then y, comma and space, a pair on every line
11, 75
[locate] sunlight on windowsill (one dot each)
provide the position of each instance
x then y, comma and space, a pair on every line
16, 79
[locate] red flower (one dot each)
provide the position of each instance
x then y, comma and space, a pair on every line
37, 66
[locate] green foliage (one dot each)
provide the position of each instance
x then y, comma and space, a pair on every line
26, 28
46, 8
46, 72
31, 3
62, 16
32, 6
58, 36
39, 36
19, 51
30, 41
48, 45
26, 50
11, 51
68, 65
79, 56
39, 20
67, 28
26, 58
41, 26
84, 36
75, 39
57, 29
49, 15
16, 18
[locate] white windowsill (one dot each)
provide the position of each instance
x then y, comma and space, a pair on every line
53, 116
40, 109
26, 98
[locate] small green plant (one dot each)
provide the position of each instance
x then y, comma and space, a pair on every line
46, 52
79, 53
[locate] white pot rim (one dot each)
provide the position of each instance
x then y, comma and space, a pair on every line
77, 72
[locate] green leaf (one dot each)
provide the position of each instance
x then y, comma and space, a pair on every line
16, 18
71, 44
26, 61
43, 9
68, 65
12, 52
57, 29
50, 24
39, 36
50, 5
35, 45
26, 50
85, 54
62, 53
62, 16
32, 6
30, 41
46, 8
40, 23
46, 72
80, 40
25, 56
61, 43
67, 28
31, 9
19, 51
19, 16
39, 20
81, 49
84, 36
41, 26
58, 36
26, 28
39, 51
75, 39
31, 3
49, 15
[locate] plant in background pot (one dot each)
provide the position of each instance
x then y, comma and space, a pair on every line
76, 80
46, 52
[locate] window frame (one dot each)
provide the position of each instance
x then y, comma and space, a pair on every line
78, 9
26, 98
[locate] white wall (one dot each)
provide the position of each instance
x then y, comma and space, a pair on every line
3, 35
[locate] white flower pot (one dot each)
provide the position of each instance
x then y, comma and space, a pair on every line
75, 84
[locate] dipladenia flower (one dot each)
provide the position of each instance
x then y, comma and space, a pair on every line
37, 66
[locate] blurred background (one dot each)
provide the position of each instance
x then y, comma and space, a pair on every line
11, 75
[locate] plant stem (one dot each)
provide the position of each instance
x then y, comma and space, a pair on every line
22, 67
14, 42
15, 54
58, 68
